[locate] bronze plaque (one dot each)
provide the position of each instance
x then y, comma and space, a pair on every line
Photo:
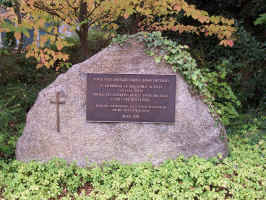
131, 98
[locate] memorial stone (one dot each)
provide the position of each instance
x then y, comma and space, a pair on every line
89, 115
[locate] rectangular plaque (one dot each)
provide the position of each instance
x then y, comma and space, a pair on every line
131, 98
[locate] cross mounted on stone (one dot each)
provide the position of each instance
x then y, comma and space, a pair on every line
57, 102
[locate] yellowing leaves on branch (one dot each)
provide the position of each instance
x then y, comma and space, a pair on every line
80, 15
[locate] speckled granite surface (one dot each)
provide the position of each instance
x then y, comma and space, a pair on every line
193, 133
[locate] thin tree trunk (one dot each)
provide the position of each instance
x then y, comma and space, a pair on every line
84, 45
19, 18
83, 31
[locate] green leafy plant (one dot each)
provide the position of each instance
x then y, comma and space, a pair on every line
245, 67
9, 40
239, 176
210, 84
120, 39
40, 181
261, 19
20, 83
245, 64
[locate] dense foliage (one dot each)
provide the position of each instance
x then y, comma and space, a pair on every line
18, 89
261, 19
78, 16
239, 176
244, 64
210, 84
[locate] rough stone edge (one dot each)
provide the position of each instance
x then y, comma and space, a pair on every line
223, 135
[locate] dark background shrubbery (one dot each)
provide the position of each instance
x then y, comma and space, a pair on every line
245, 67
241, 10
246, 59
20, 82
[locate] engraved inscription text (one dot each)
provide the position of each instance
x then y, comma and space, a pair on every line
131, 97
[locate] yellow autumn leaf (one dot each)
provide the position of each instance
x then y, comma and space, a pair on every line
126, 15
39, 66
41, 22
231, 22
104, 12
17, 35
59, 45
177, 7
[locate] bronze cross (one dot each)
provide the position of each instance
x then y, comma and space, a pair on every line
58, 102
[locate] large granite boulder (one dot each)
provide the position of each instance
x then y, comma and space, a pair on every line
194, 132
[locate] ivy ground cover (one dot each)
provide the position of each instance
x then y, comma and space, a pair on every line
241, 175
